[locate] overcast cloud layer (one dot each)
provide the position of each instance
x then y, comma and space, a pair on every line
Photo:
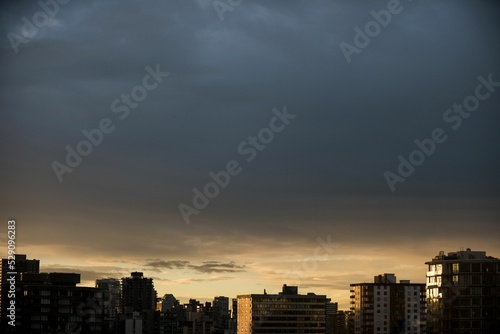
323, 174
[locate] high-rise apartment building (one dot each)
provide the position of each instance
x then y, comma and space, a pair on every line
221, 312
139, 296
234, 308
234, 314
387, 307
111, 293
285, 312
138, 293
330, 312
463, 293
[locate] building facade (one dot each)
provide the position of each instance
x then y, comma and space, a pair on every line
138, 293
285, 312
234, 314
168, 302
221, 313
52, 303
111, 292
463, 293
388, 307
342, 322
139, 297
330, 312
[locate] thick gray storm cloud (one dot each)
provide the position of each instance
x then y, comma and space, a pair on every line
356, 113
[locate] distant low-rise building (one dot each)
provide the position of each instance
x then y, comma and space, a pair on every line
168, 302
130, 322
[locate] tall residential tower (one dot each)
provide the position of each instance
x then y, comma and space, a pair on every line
463, 293
385, 307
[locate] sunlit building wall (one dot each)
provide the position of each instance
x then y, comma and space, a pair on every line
463, 293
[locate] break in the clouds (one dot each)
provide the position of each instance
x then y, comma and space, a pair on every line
323, 175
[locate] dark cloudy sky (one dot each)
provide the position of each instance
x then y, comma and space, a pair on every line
322, 175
